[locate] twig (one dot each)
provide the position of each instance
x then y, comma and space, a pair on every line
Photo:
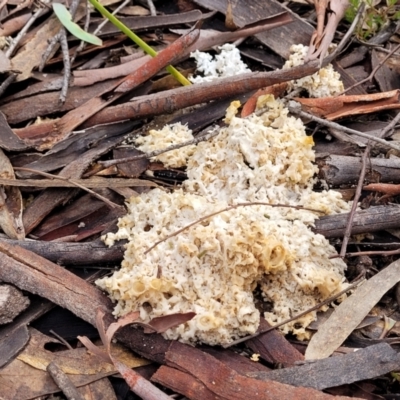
61, 339
390, 126
360, 183
22, 32
67, 65
334, 125
63, 382
152, 9
232, 207
7, 82
82, 44
374, 71
387, 51
374, 253
46, 174
316, 307
357, 195
155, 153
48, 51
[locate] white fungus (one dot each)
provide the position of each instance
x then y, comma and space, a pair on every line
214, 267
226, 63
162, 138
326, 82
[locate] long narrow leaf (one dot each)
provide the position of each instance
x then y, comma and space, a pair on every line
66, 19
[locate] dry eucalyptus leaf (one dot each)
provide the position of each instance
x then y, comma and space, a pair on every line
10, 203
349, 314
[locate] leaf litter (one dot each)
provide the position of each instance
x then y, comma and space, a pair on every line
63, 216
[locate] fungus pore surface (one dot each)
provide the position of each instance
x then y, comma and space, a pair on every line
215, 266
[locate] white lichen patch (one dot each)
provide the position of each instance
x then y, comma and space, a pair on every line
165, 137
226, 63
214, 267
326, 82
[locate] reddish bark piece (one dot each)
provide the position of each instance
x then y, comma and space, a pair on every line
239, 363
250, 106
184, 383
176, 99
221, 382
338, 107
161, 324
273, 347
387, 188
138, 384
333, 11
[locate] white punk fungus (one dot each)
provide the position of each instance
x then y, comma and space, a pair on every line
163, 138
226, 63
214, 267
326, 82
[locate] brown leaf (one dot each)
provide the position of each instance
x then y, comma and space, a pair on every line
277, 90
10, 203
161, 324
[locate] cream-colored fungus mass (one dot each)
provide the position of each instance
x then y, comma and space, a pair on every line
214, 267
325, 82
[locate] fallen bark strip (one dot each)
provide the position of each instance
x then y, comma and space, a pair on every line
211, 379
367, 363
37, 275
371, 220
73, 254
339, 170
176, 99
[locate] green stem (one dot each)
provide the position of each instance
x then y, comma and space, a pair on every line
143, 45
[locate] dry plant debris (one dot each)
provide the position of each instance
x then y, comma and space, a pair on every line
222, 222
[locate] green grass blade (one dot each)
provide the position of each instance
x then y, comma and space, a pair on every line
142, 44
66, 19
